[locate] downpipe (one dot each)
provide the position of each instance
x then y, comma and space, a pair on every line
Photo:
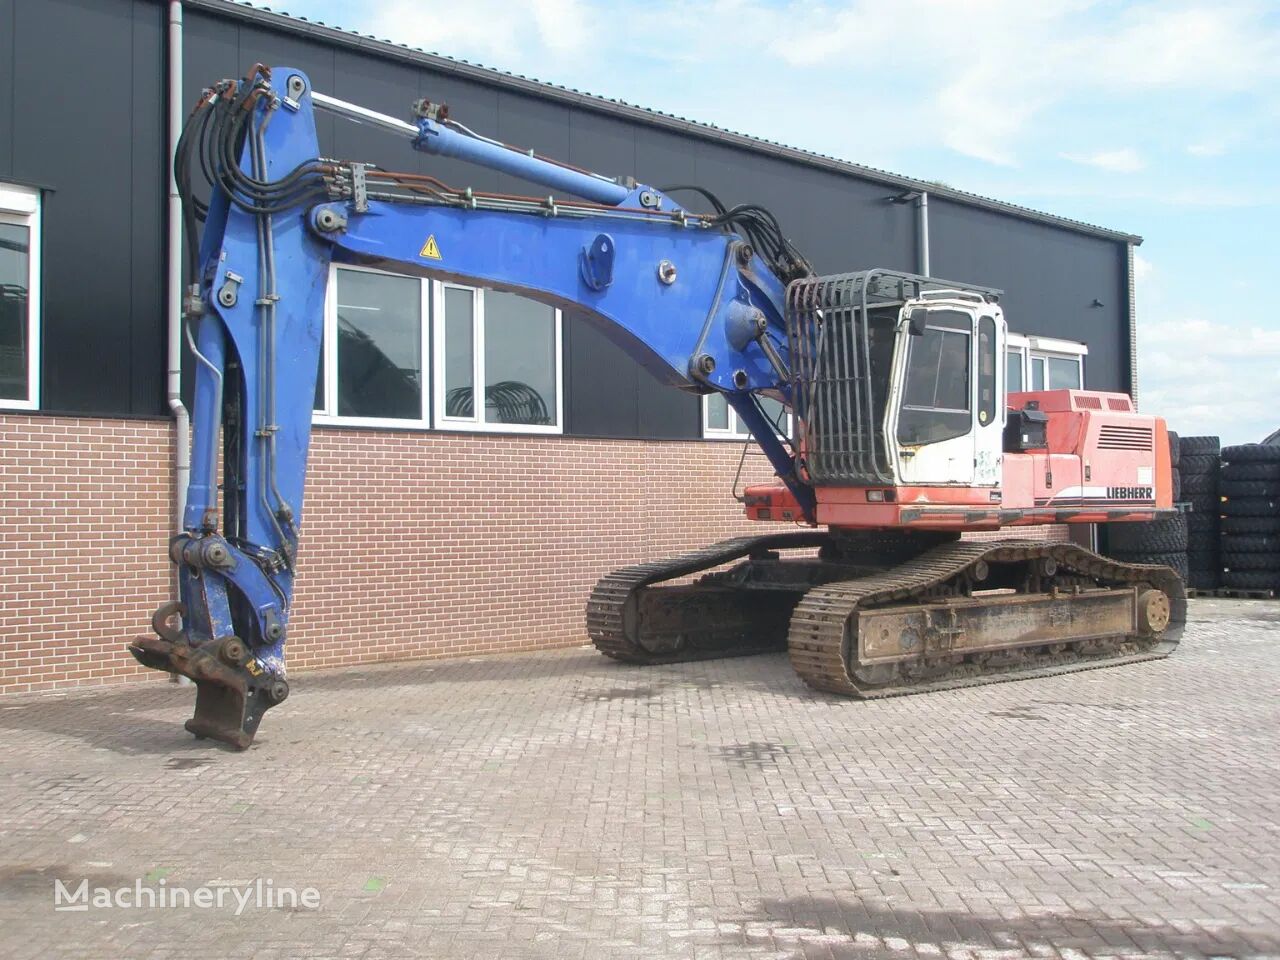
173, 292
922, 234
173, 307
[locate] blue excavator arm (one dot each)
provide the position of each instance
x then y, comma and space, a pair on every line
697, 303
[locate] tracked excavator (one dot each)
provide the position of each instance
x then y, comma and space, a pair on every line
904, 435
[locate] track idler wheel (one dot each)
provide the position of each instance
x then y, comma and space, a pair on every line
233, 689
1153, 612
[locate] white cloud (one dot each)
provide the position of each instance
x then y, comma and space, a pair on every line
1124, 160
1223, 47
512, 36
1210, 148
1027, 57
1214, 377
978, 77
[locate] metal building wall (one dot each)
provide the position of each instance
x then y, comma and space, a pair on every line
84, 115
1056, 283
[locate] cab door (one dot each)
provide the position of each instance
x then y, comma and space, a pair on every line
990, 392
932, 418
946, 415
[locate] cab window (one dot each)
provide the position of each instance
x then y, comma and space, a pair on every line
986, 371
935, 400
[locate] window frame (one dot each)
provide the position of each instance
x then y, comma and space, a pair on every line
477, 423
1051, 348
1041, 350
969, 410
988, 412
1036, 361
716, 433
22, 206
329, 370
1015, 343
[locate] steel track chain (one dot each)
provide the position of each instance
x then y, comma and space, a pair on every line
817, 638
607, 605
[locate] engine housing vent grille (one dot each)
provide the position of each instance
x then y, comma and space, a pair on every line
1116, 437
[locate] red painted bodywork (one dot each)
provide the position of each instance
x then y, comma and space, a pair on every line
1103, 463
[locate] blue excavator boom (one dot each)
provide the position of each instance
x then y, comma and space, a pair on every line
690, 299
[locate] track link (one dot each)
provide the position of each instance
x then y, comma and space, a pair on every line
823, 653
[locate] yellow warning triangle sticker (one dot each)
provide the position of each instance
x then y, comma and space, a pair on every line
430, 249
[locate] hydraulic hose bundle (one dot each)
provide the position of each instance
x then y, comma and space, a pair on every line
761, 229
214, 137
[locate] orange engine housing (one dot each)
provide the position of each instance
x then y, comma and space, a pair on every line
1103, 462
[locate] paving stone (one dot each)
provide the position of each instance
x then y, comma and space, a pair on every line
558, 805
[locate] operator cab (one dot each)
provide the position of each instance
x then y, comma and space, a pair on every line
945, 418
900, 380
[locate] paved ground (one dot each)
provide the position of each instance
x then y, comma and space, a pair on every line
560, 806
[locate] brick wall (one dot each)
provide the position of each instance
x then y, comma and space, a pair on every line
423, 545
84, 520
414, 544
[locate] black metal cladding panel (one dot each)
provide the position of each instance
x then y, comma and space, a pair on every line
385, 87
607, 394
8, 43
1050, 279
209, 49
600, 383
668, 160
148, 222
88, 120
841, 224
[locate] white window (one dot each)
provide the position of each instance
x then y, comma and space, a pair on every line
503, 348
1063, 372
377, 359
1044, 363
19, 297
721, 422
1015, 377
373, 364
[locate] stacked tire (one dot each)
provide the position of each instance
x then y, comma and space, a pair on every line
1250, 540
1199, 474
1159, 541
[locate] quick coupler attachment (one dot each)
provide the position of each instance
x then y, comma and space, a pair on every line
233, 689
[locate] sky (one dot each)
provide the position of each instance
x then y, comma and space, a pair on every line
1160, 119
